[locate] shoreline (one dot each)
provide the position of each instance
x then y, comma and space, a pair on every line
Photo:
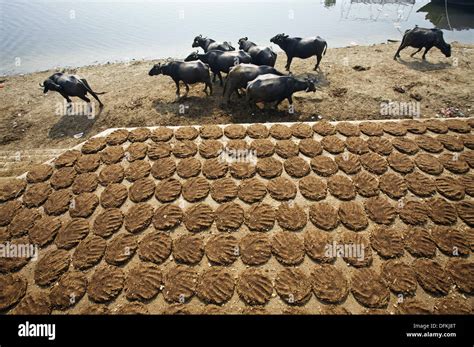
151, 59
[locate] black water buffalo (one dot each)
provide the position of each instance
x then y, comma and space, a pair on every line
260, 55
208, 44
424, 38
220, 61
188, 72
70, 85
301, 48
241, 74
270, 88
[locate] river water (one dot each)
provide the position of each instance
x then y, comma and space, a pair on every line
38, 35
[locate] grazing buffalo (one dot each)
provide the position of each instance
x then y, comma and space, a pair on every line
260, 55
241, 74
220, 61
301, 48
188, 72
208, 44
70, 85
424, 38
270, 88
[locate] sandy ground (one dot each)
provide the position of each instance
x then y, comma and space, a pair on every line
31, 130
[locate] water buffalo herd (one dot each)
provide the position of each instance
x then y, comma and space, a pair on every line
250, 68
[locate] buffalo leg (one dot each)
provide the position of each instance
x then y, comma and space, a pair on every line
94, 95
187, 90
86, 99
220, 78
419, 49
288, 63
68, 100
402, 46
426, 51
177, 89
209, 84
318, 60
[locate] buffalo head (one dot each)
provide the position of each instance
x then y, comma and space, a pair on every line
50, 85
197, 41
155, 70
193, 56
446, 49
311, 87
277, 39
242, 41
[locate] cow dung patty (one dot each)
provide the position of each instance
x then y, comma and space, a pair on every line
400, 277
114, 195
329, 283
63, 177
323, 216
223, 189
198, 217
85, 183
255, 249
51, 266
195, 189
352, 215
163, 168
138, 217
161, 134
168, 190
89, 252
293, 286
111, 174
313, 188
269, 167
419, 243
73, 286
323, 165
137, 169
280, 132
366, 184
117, 137
369, 289
39, 173
296, 167
141, 190
167, 217
108, 222
112, 154
143, 282
159, 150
34, 303
254, 287
281, 188
120, 249
106, 283
155, 247
260, 217
215, 286
229, 216
288, 248
188, 249
235, 131
388, 242
252, 190
179, 284
291, 217
222, 249
431, 276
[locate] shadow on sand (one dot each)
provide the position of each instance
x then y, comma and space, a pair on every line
424, 65
73, 125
